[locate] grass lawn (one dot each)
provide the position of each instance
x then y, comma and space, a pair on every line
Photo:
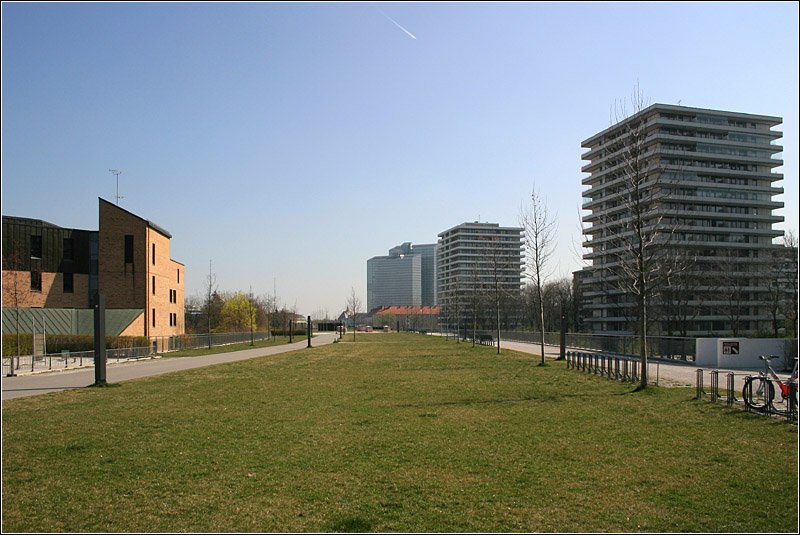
392, 432
274, 341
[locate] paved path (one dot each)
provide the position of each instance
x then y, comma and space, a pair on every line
42, 383
660, 372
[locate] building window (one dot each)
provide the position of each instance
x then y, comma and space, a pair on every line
36, 281
69, 283
36, 246
154, 285
154, 317
69, 249
154, 254
129, 248
179, 276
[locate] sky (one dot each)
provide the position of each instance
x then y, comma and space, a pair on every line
284, 144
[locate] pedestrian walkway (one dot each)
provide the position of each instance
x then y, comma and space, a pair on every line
43, 383
661, 373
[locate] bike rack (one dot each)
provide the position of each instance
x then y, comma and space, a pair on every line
731, 390
699, 383
714, 385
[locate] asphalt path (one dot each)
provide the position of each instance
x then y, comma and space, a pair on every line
660, 372
43, 383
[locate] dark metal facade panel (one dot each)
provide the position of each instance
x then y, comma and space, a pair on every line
17, 232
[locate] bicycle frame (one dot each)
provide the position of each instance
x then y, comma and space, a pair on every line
770, 373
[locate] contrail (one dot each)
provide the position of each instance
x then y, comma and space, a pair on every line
411, 35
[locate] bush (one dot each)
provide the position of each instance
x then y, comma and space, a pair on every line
285, 332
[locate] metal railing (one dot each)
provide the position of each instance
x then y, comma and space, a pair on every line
659, 347
69, 359
163, 344
158, 344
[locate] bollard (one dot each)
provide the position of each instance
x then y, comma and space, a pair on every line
699, 384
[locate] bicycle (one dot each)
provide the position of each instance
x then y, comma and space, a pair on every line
759, 390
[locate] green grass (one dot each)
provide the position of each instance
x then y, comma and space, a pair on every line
392, 433
200, 351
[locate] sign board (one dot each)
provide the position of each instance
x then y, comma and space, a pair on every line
730, 348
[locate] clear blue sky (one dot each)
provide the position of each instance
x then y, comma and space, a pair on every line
289, 142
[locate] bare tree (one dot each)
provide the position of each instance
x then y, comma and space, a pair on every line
475, 298
640, 236
791, 280
496, 292
210, 291
353, 306
681, 297
734, 282
539, 229
16, 290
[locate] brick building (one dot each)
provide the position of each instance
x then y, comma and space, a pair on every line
128, 260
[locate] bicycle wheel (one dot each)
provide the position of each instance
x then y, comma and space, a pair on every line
758, 393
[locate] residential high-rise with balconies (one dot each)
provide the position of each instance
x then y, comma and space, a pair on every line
709, 186
474, 260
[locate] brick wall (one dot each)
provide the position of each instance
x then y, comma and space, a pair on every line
51, 295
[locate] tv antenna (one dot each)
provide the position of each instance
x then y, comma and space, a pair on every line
117, 172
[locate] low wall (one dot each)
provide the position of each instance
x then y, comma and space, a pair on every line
733, 353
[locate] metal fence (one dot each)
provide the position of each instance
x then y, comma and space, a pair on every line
731, 392
661, 347
158, 344
162, 344
69, 359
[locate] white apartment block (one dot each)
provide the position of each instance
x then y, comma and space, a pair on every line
713, 185
471, 257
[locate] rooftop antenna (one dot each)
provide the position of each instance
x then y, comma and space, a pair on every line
117, 172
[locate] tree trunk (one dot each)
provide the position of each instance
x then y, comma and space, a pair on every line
643, 340
541, 323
